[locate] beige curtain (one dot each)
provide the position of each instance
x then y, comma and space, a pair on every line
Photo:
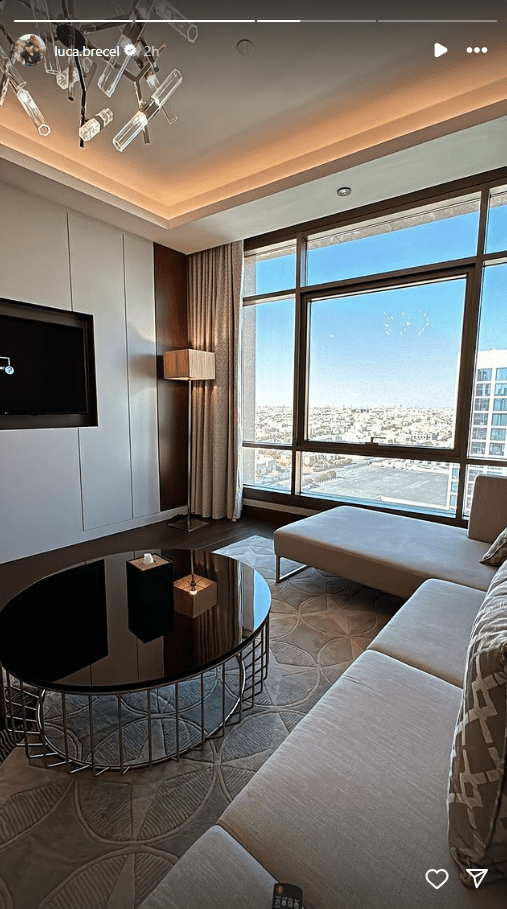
214, 315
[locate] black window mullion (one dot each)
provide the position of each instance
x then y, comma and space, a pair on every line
299, 389
468, 356
466, 380
483, 221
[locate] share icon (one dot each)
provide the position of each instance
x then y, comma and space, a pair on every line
478, 875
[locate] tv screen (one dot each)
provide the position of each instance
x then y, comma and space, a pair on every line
46, 367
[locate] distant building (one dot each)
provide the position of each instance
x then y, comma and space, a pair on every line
489, 420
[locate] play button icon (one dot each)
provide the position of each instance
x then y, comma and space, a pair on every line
439, 49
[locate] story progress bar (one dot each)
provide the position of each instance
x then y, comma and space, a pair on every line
276, 21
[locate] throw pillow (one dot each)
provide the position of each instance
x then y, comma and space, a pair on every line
478, 781
497, 552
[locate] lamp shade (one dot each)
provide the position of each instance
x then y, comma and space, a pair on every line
189, 364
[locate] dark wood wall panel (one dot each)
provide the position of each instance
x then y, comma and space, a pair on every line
172, 334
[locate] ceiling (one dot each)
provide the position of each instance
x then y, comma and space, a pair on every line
263, 141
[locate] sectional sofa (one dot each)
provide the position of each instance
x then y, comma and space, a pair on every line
353, 805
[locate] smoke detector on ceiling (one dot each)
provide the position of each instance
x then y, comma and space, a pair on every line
245, 47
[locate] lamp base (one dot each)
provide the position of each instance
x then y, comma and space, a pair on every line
183, 523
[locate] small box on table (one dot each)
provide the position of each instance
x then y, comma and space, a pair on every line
150, 595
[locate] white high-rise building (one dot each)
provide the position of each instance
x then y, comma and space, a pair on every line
489, 417
489, 409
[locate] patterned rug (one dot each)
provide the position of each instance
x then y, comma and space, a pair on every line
7, 742
165, 732
105, 843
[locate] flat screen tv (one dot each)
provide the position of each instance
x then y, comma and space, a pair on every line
47, 367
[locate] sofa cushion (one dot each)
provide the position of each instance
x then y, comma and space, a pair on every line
353, 803
478, 782
432, 630
497, 552
213, 871
382, 550
488, 514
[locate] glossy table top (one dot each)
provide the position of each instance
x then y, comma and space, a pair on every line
89, 628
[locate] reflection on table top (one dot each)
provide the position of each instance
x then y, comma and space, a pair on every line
99, 626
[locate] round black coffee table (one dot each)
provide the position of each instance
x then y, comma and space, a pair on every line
106, 669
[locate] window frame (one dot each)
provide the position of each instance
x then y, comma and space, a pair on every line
471, 267
387, 282
259, 301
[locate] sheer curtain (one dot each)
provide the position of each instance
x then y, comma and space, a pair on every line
214, 315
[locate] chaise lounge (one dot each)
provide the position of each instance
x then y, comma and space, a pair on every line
395, 553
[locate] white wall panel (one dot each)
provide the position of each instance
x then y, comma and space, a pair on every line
97, 280
61, 486
34, 252
142, 375
40, 495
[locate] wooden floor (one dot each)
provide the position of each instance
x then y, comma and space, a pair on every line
15, 576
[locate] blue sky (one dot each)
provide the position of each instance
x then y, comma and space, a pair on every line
396, 347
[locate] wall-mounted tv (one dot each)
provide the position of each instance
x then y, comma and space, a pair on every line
47, 367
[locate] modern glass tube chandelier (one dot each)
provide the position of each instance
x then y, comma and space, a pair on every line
63, 45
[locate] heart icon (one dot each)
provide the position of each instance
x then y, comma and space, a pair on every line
437, 877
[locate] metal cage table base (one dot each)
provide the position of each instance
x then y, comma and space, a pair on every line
107, 730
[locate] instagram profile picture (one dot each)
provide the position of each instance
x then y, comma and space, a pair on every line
29, 50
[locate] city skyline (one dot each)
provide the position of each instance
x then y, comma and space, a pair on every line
382, 477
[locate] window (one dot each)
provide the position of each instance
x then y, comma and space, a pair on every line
357, 366
389, 480
382, 365
433, 233
497, 220
472, 473
272, 269
268, 350
267, 468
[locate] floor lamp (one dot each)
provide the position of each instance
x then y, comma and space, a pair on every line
189, 366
